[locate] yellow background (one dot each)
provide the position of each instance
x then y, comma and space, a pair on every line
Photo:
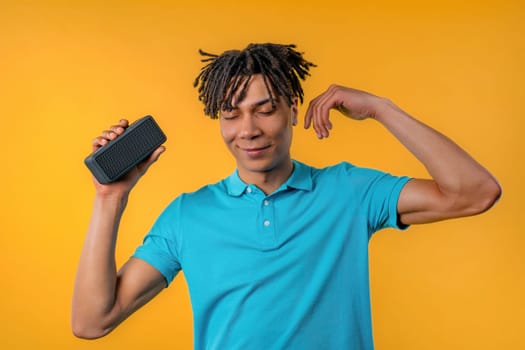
70, 69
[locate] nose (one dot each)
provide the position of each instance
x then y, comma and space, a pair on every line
249, 128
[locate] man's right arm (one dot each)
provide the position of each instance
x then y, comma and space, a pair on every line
103, 297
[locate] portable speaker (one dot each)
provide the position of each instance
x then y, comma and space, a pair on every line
139, 140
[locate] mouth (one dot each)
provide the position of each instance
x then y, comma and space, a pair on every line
254, 152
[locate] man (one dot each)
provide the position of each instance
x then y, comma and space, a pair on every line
275, 255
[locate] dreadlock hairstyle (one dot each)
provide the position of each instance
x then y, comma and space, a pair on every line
228, 74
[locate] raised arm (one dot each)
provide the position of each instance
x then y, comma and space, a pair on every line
102, 296
460, 186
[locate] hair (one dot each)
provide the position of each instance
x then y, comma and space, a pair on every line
227, 75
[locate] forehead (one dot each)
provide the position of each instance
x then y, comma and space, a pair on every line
256, 91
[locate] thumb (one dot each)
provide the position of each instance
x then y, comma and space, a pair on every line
143, 167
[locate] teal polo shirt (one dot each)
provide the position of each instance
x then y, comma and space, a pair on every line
287, 270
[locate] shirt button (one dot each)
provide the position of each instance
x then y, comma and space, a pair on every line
266, 223
249, 190
266, 202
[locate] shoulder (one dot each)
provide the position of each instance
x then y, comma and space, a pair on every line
189, 203
204, 194
345, 176
353, 172
327, 180
343, 170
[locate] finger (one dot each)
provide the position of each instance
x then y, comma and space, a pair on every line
98, 142
315, 117
320, 112
123, 123
321, 117
311, 110
120, 127
315, 122
308, 114
108, 134
116, 130
332, 100
307, 118
311, 114
144, 166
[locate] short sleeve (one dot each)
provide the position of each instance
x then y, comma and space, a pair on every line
159, 248
379, 192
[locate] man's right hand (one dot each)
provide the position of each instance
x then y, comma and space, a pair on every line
124, 185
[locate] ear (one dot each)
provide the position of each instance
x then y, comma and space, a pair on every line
294, 110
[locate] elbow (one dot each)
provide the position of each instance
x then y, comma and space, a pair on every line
492, 193
85, 330
487, 195
84, 333
87, 323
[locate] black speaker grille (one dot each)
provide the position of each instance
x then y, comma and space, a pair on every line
133, 146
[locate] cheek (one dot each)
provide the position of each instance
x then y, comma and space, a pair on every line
284, 135
227, 132
286, 130
289, 133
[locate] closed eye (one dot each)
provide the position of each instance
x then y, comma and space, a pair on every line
228, 116
266, 111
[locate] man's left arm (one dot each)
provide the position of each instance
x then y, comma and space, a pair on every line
460, 186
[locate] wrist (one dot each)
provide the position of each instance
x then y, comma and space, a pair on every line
385, 109
114, 198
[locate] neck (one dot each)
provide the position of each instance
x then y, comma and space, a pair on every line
268, 181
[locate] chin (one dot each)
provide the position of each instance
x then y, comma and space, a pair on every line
259, 168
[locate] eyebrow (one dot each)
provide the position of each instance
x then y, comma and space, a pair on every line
259, 103
263, 102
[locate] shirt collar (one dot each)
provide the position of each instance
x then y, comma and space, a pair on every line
300, 179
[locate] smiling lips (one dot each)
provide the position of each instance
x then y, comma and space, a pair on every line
254, 151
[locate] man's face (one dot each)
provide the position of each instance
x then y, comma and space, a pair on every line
258, 134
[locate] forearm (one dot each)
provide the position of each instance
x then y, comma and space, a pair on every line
96, 280
454, 171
